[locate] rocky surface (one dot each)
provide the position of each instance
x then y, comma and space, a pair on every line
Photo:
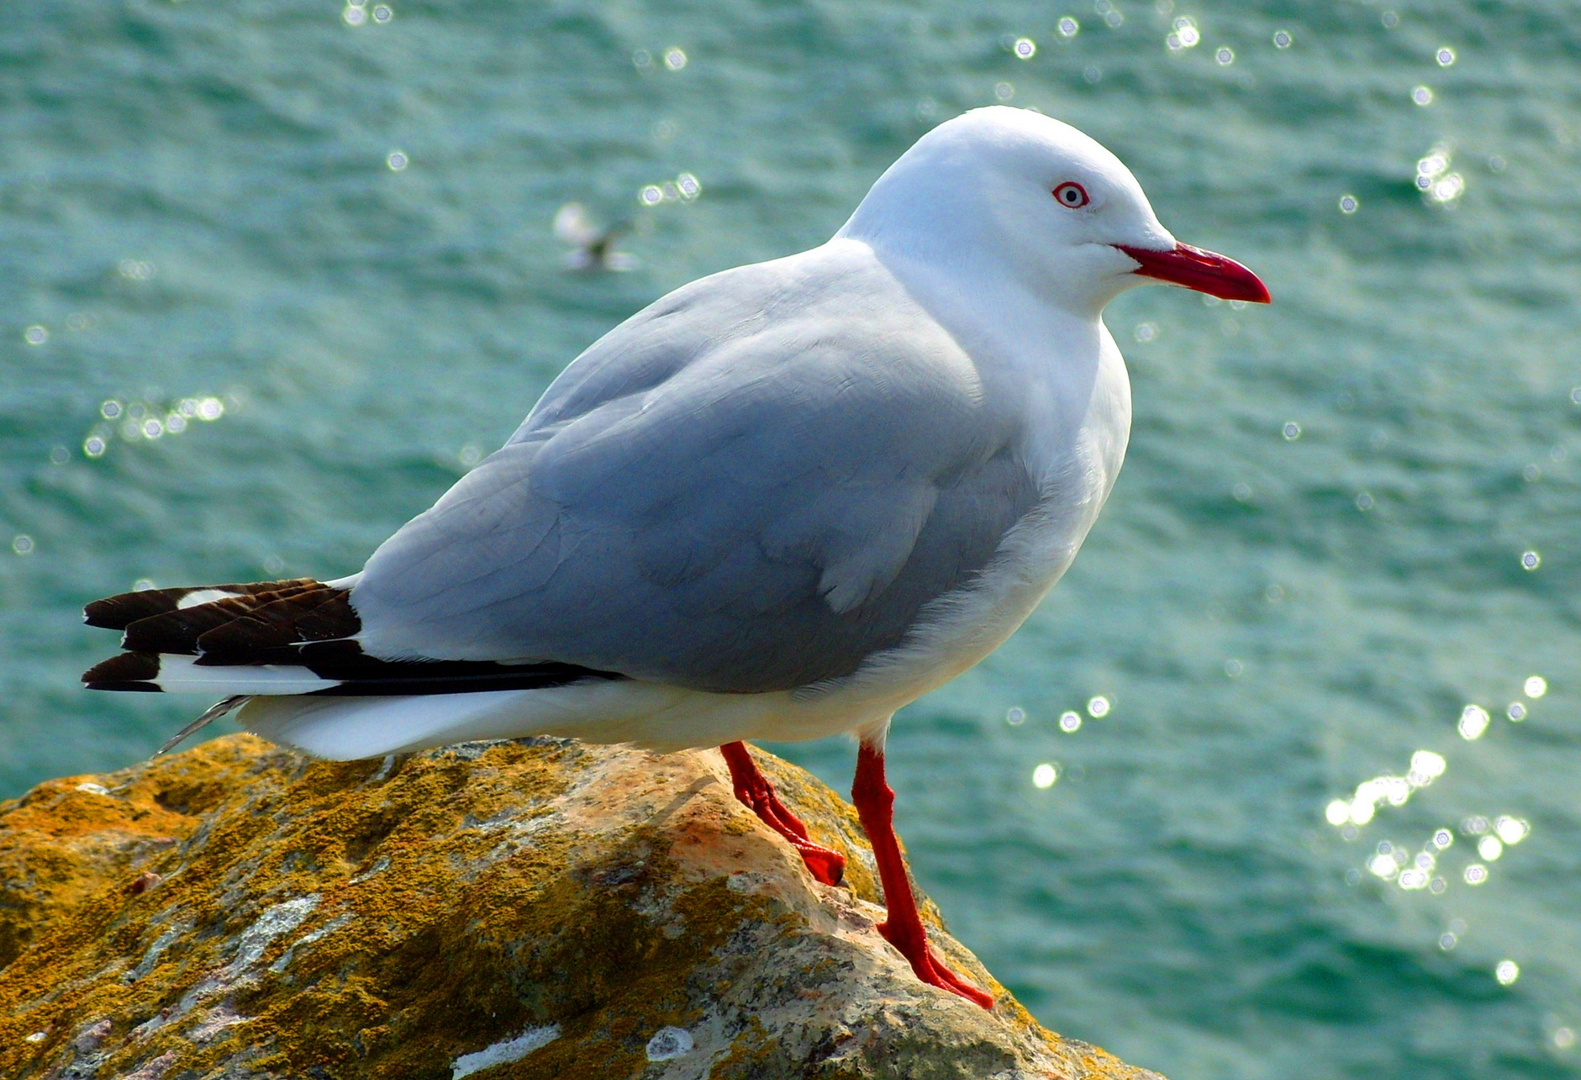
537, 908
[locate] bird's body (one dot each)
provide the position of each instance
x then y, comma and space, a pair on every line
781, 502
909, 599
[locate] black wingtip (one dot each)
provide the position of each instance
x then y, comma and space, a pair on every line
118, 612
139, 668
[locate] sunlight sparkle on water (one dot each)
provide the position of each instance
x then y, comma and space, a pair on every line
1069, 721
1434, 179
685, 187
147, 421
1044, 775
1535, 686
1069, 27
1015, 716
1098, 707
1507, 972
1024, 48
1473, 722
1282, 39
1426, 766
1511, 830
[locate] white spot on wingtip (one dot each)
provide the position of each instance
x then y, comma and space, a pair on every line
202, 596
504, 1052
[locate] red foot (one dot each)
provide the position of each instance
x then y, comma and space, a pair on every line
903, 929
754, 790
931, 970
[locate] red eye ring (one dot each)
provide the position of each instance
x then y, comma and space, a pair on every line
1071, 195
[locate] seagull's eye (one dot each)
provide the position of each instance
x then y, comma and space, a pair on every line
1071, 194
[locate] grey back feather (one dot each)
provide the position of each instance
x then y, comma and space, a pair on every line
751, 485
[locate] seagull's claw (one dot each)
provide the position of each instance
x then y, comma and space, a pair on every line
758, 795
931, 970
825, 864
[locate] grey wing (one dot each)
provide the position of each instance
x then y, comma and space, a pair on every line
715, 498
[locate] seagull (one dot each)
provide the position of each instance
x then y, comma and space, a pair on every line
780, 502
592, 246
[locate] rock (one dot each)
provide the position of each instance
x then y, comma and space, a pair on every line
536, 908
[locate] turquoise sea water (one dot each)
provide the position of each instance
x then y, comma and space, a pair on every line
1312, 563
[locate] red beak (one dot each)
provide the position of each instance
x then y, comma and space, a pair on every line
1204, 271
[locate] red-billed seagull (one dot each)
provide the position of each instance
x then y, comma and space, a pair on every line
779, 503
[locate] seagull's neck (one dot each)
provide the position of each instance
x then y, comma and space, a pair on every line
1033, 357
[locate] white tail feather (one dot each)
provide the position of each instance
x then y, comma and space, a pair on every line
599, 711
347, 728
178, 674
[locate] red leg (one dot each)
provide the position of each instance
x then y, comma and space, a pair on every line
754, 789
875, 804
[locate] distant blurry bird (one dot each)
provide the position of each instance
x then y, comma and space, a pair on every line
592, 245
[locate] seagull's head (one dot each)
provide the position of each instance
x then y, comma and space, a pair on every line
1014, 191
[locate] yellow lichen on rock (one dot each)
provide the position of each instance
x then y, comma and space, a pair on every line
535, 908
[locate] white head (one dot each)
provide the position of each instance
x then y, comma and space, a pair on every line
1002, 190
